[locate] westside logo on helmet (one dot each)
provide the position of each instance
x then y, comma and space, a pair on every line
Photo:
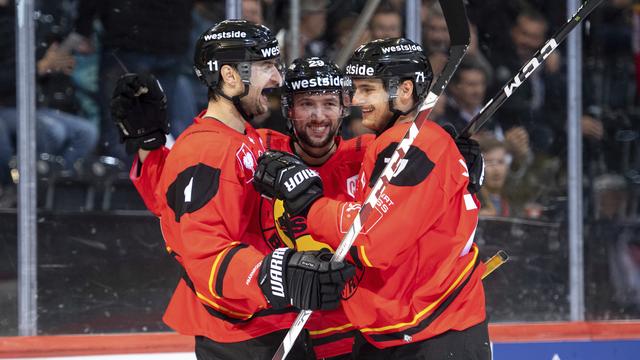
362, 70
402, 47
270, 52
226, 35
330, 80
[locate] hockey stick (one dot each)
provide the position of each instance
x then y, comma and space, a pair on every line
458, 26
495, 262
512, 85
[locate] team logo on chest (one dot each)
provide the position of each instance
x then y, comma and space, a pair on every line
247, 162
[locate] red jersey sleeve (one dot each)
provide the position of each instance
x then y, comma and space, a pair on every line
428, 183
146, 176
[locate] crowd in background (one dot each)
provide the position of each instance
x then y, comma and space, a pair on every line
83, 46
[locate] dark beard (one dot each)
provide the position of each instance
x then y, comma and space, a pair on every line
303, 138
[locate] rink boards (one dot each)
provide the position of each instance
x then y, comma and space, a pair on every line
542, 341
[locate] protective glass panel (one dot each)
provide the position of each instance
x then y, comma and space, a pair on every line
8, 187
524, 196
611, 149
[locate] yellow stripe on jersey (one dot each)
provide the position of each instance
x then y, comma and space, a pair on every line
223, 309
214, 267
431, 306
331, 329
364, 257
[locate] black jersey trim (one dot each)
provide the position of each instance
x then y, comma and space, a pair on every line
223, 267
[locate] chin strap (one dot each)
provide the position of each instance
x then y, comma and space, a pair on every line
392, 87
235, 100
396, 114
244, 69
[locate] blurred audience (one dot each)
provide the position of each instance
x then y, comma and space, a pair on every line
385, 22
467, 91
313, 23
539, 103
58, 132
129, 42
435, 35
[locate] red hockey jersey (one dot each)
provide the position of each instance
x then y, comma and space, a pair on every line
330, 330
421, 271
209, 215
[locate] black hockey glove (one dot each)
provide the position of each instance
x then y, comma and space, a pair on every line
470, 150
139, 110
284, 176
304, 279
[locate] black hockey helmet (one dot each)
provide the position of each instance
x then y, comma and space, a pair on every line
232, 42
315, 75
393, 61
237, 43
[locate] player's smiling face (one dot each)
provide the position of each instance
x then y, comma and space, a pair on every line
316, 117
372, 98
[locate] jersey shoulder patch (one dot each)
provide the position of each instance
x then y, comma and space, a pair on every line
413, 168
192, 189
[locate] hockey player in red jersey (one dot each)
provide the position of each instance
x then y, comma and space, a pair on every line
236, 293
315, 98
420, 295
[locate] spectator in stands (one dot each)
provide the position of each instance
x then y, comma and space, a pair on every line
141, 37
342, 32
611, 202
252, 11
435, 35
467, 92
538, 105
385, 22
474, 50
313, 24
57, 132
496, 170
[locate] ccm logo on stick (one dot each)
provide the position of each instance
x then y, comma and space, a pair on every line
531, 66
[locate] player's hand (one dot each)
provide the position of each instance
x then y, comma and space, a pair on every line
139, 110
304, 279
284, 176
470, 150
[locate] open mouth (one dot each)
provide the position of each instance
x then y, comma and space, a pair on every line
265, 93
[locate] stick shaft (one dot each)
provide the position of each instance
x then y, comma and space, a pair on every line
512, 85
